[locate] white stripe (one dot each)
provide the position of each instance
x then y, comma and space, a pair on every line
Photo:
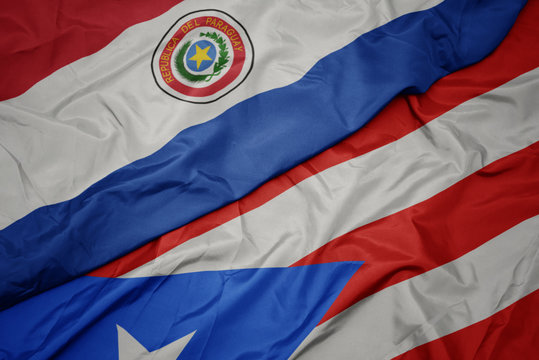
105, 111
434, 304
367, 188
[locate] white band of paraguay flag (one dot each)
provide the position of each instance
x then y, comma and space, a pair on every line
203, 56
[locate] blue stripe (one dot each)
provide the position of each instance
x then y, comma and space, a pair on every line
210, 165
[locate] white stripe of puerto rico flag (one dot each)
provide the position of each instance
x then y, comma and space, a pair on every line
434, 304
120, 131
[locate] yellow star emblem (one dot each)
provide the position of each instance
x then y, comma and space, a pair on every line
200, 55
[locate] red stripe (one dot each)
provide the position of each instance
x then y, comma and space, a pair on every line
40, 37
512, 333
438, 230
402, 116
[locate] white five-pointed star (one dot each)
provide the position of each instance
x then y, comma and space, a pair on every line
129, 348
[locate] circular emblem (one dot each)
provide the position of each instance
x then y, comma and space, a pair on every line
204, 55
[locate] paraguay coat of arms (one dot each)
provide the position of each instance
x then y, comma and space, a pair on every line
203, 56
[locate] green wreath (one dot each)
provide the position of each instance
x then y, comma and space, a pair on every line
218, 66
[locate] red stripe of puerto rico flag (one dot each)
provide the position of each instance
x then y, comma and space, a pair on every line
437, 230
40, 37
403, 115
512, 333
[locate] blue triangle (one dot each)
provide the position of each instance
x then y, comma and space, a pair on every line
248, 313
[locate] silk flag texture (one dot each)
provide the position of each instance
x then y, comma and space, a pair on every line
414, 237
